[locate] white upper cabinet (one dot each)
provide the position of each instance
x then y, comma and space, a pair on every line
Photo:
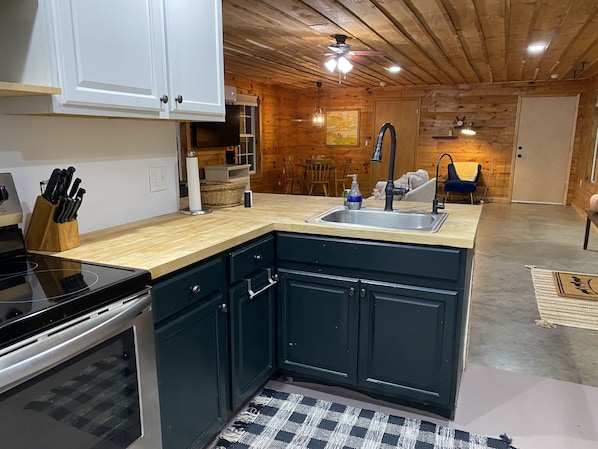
194, 54
134, 58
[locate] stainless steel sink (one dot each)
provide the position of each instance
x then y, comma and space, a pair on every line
400, 220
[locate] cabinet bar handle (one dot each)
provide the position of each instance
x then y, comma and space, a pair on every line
271, 281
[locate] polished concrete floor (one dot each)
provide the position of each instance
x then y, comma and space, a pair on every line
503, 334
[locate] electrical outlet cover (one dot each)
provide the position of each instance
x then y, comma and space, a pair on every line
157, 179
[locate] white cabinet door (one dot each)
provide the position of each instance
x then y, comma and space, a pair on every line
195, 58
110, 53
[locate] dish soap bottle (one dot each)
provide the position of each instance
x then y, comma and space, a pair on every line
354, 197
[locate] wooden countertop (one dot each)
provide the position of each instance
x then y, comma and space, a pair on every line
169, 242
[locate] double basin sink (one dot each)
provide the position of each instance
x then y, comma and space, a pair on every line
399, 220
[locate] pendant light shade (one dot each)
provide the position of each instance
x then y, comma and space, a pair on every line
318, 117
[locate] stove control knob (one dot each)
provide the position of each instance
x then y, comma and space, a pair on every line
3, 193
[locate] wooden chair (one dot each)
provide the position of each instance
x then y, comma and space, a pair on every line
293, 175
342, 180
318, 174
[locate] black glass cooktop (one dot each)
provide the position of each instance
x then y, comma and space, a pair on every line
37, 291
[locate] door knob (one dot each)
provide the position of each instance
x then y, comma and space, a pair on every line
164, 99
179, 99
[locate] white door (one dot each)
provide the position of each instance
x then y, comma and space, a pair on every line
111, 53
543, 149
195, 58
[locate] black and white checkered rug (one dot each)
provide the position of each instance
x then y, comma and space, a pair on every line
276, 420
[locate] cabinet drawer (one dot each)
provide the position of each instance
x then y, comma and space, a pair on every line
188, 287
250, 257
375, 257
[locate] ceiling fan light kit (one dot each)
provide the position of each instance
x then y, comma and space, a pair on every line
341, 55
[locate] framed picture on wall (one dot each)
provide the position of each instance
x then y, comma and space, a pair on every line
342, 128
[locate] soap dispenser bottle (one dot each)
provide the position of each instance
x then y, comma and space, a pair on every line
354, 197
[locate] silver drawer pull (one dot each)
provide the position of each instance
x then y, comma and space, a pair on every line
258, 257
196, 289
271, 281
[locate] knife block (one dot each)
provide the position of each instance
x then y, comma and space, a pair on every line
44, 234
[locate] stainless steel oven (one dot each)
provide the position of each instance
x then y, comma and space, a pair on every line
77, 354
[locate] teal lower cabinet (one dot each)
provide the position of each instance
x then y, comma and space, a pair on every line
192, 354
252, 299
382, 318
253, 338
407, 342
318, 320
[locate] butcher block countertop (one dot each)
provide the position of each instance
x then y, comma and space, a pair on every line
169, 242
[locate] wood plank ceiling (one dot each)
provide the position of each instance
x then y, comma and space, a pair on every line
433, 41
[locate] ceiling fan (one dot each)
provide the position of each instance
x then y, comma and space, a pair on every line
341, 55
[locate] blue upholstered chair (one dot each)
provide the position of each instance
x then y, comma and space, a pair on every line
466, 183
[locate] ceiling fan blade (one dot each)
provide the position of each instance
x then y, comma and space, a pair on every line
367, 53
360, 59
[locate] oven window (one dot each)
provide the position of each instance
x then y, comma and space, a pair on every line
88, 402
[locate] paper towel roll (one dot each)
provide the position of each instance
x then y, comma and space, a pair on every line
193, 184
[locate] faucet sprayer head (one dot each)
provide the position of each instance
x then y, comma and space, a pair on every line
377, 156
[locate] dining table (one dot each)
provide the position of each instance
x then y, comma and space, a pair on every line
309, 163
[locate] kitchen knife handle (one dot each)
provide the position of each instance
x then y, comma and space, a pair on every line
74, 188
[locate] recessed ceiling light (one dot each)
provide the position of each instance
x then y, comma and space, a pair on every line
536, 48
394, 69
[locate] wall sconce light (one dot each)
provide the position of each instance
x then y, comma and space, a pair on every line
468, 130
318, 116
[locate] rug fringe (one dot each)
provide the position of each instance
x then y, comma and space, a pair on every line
545, 324
244, 419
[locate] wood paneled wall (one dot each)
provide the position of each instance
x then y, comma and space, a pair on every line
287, 129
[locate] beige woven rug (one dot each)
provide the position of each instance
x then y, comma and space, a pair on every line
555, 309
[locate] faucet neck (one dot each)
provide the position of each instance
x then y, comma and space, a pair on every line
435, 205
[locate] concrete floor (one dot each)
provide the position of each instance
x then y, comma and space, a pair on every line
503, 333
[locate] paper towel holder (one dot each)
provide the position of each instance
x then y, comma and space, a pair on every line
187, 210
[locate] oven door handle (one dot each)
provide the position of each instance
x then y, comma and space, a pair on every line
26, 359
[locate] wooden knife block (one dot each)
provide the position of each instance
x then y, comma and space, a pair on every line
44, 234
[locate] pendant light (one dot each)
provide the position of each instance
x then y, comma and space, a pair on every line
318, 117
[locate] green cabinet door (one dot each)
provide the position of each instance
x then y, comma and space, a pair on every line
318, 319
253, 337
407, 342
192, 371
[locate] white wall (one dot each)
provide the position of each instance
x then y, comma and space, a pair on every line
112, 157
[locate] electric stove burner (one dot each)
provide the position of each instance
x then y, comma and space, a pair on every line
16, 267
49, 285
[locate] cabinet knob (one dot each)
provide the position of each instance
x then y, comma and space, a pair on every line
351, 291
258, 257
164, 99
362, 292
196, 289
223, 307
179, 99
